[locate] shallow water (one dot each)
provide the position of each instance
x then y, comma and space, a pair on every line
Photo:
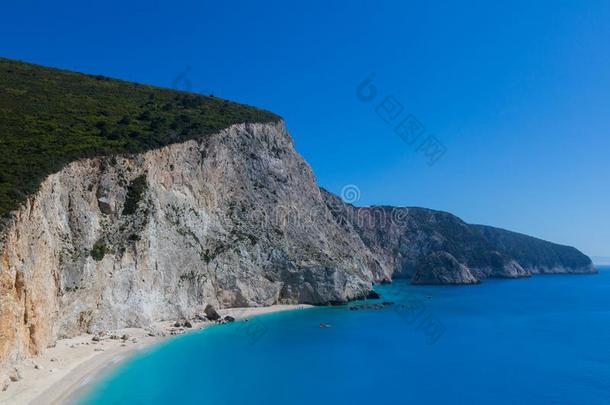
540, 340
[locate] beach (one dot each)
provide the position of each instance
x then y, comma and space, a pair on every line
64, 371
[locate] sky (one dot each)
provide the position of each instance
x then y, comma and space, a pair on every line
508, 105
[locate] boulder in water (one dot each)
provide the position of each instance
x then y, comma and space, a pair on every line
373, 295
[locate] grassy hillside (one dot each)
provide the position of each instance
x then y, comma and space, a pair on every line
50, 117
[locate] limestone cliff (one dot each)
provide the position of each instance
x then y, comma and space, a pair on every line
232, 219
535, 255
434, 247
235, 219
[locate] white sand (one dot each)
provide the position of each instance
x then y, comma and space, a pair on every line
67, 369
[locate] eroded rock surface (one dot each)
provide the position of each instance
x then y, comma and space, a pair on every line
233, 220
435, 247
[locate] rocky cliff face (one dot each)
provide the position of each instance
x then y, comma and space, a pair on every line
235, 219
535, 255
434, 247
427, 246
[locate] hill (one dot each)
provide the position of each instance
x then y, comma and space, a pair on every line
536, 255
435, 247
51, 117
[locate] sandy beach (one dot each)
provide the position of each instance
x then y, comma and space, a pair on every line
62, 372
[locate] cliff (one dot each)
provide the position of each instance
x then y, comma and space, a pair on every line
120, 215
536, 255
235, 219
434, 247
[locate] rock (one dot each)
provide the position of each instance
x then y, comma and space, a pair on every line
155, 331
114, 337
96, 338
105, 205
402, 239
183, 324
442, 268
357, 307
373, 295
15, 375
386, 303
211, 314
200, 318
529, 255
229, 319
125, 337
38, 367
5, 384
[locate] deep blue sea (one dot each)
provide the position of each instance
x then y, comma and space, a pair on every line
543, 340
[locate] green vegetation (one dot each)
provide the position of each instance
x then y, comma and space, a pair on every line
134, 194
50, 117
99, 250
193, 277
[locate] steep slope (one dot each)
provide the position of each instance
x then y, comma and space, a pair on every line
434, 247
405, 239
233, 219
537, 256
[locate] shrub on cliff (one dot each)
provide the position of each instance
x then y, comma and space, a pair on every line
135, 190
99, 250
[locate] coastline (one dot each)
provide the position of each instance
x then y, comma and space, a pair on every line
64, 372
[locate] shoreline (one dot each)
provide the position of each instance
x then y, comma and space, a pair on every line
63, 373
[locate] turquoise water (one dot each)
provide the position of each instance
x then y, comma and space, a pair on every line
543, 340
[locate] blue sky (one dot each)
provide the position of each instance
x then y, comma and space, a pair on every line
517, 94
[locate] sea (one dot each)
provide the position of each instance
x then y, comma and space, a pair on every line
541, 340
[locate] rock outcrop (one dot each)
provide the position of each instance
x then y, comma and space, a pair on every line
442, 268
435, 247
537, 256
